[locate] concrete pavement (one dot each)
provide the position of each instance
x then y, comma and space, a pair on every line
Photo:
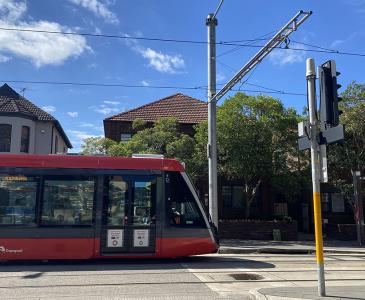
296, 293
232, 246
216, 276
298, 247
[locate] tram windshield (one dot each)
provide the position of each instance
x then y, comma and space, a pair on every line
182, 206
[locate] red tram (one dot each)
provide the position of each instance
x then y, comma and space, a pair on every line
86, 207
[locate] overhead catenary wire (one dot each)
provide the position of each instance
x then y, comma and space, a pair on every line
143, 86
222, 43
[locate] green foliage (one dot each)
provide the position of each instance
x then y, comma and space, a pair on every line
257, 142
162, 138
96, 145
139, 124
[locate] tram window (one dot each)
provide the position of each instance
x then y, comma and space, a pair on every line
68, 201
182, 205
117, 199
18, 196
144, 199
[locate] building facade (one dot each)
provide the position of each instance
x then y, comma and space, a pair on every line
25, 128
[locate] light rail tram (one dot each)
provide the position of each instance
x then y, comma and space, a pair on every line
92, 207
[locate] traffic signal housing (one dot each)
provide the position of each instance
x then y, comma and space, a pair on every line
329, 112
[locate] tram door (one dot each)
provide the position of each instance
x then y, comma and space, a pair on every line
129, 214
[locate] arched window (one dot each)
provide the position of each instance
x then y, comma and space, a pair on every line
56, 145
24, 144
5, 137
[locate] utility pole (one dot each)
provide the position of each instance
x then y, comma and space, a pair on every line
213, 97
211, 23
315, 161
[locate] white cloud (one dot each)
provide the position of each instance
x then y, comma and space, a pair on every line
111, 102
73, 114
11, 10
77, 137
4, 58
163, 63
81, 135
104, 109
159, 61
40, 48
283, 57
339, 42
145, 83
99, 8
92, 126
49, 108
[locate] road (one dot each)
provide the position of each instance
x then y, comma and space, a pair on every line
201, 277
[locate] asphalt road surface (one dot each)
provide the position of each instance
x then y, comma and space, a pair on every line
215, 276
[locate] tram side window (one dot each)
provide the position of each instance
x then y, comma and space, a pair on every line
117, 199
182, 206
68, 201
18, 196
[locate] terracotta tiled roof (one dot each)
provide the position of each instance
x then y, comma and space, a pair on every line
11, 103
184, 108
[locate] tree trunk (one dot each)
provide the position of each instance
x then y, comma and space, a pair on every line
250, 194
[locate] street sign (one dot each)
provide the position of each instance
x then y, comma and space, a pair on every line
304, 143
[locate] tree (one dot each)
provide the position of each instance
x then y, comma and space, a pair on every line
163, 137
256, 139
96, 145
349, 156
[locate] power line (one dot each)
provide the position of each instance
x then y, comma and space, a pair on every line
149, 86
222, 43
124, 37
263, 37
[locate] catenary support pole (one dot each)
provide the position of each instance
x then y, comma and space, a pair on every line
314, 124
211, 23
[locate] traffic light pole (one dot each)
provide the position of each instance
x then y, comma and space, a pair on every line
315, 161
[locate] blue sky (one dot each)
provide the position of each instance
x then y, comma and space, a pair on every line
337, 24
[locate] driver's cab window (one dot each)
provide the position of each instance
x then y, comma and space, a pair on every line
182, 207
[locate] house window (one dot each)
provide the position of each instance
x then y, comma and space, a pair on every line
233, 196
56, 145
5, 137
125, 137
338, 203
325, 197
227, 196
24, 143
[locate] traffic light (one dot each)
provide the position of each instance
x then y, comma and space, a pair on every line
329, 112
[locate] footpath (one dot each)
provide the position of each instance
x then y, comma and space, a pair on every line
347, 292
287, 247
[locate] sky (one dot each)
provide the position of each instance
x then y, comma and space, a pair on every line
27, 57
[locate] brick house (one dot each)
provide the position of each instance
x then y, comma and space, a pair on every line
187, 110
25, 128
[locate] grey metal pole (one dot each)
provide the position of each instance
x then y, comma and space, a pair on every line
211, 23
314, 124
356, 177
